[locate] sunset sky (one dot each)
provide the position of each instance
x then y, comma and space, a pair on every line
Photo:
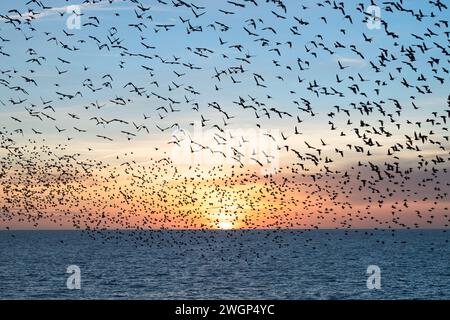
185, 175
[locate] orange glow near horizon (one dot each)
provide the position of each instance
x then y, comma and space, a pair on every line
159, 195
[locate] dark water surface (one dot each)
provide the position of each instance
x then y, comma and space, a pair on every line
225, 265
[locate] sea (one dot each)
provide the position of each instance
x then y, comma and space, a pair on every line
241, 264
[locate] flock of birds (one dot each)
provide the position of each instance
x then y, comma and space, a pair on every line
357, 142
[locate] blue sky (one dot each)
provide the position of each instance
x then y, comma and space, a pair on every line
174, 42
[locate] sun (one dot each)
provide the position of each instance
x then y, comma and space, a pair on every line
225, 225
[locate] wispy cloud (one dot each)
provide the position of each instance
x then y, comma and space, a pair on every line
351, 61
57, 10
104, 5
